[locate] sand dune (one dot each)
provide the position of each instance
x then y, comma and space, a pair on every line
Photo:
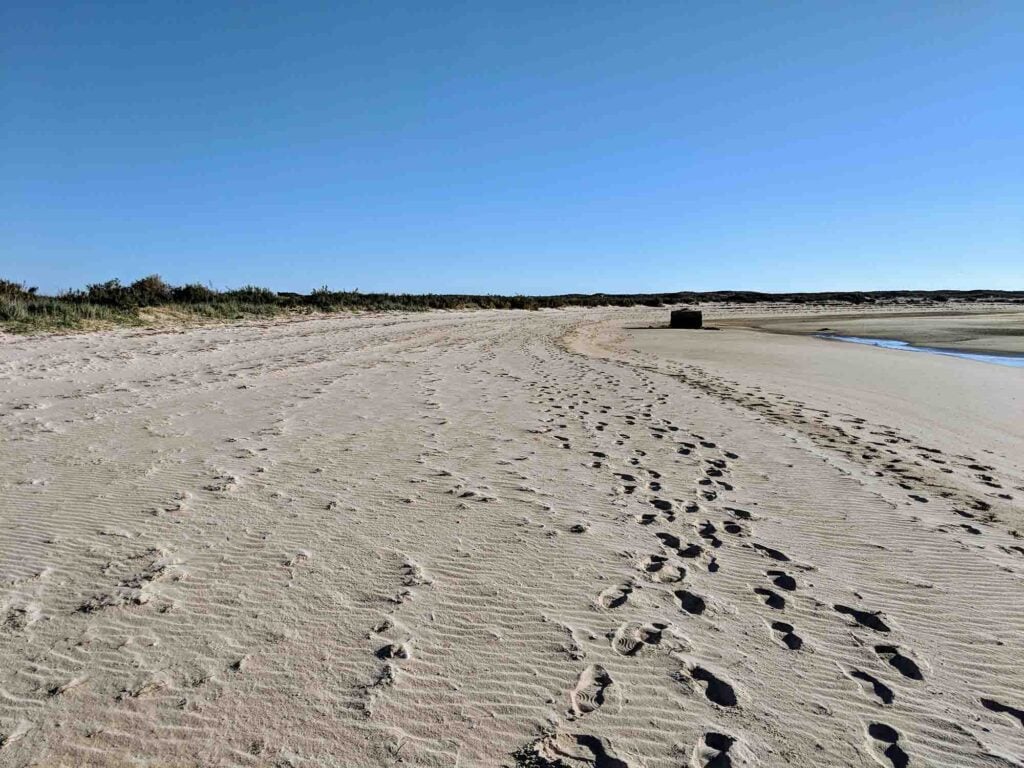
506, 539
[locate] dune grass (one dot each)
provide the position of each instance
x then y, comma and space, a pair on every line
151, 301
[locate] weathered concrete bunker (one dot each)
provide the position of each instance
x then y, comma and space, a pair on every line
686, 318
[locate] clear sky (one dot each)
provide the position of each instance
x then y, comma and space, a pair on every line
534, 147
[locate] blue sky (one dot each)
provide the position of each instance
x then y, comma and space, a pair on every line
515, 146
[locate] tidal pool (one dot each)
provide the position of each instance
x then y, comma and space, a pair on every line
1010, 360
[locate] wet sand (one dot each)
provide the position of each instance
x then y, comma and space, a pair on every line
997, 330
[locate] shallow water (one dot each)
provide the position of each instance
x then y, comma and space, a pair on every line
1010, 360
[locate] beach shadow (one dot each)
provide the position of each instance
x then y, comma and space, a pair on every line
668, 328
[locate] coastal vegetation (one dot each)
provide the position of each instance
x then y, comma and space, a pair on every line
149, 300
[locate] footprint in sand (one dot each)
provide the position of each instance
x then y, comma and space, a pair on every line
774, 554
691, 603
589, 694
782, 580
413, 575
886, 741
742, 514
905, 665
631, 638
669, 540
673, 542
869, 619
786, 635
712, 751
393, 651
574, 749
874, 685
716, 690
707, 532
771, 598
733, 528
659, 569
996, 706
613, 597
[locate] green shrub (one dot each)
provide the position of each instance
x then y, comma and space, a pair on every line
150, 291
12, 290
251, 294
193, 293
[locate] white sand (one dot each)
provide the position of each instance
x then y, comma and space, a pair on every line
458, 539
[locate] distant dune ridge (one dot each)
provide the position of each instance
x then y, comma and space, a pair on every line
150, 300
485, 538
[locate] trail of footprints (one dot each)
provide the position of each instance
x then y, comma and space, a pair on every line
912, 466
686, 542
692, 531
669, 564
392, 639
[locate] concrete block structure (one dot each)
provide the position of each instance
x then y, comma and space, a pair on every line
686, 318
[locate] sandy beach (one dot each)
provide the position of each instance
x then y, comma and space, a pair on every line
500, 538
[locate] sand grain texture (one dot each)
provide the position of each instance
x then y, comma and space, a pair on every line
492, 538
